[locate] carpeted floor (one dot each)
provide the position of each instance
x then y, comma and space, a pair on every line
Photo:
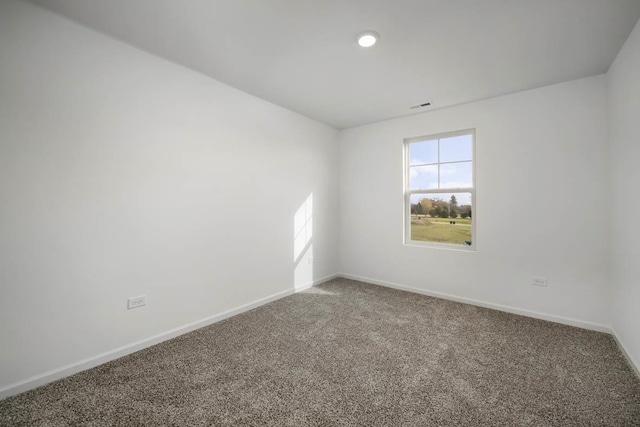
352, 354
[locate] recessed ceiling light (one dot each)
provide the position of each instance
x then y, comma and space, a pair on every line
367, 38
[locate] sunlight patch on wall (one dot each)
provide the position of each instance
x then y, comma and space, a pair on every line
302, 227
302, 245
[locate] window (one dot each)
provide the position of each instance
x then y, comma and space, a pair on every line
439, 190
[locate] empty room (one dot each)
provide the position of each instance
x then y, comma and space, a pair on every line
319, 213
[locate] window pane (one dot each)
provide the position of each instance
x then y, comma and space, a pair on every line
423, 152
423, 177
456, 148
456, 175
442, 218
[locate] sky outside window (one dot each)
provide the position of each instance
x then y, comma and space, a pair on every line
441, 163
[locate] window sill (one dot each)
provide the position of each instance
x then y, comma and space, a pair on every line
445, 246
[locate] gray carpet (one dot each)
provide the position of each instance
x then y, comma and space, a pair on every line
352, 354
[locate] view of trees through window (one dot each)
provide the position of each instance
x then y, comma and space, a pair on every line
443, 218
439, 193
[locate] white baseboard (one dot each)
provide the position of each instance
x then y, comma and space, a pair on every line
529, 313
316, 282
82, 365
91, 362
632, 362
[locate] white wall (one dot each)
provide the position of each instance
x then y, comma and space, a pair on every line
624, 134
122, 174
542, 203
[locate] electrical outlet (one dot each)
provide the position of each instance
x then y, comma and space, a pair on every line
539, 281
136, 302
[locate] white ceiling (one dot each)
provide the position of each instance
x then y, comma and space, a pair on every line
302, 55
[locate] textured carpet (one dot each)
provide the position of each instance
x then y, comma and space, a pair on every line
352, 354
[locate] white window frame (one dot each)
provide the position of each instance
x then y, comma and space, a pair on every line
409, 192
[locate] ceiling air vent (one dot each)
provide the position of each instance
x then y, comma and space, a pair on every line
426, 104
